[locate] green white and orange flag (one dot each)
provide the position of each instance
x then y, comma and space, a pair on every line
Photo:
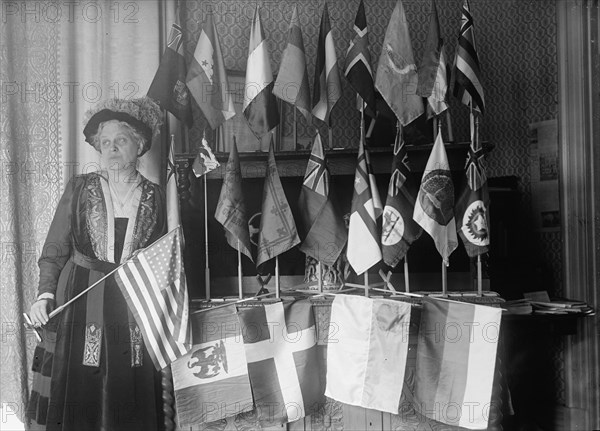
434, 207
278, 231
432, 70
467, 73
327, 88
168, 87
207, 79
363, 237
291, 84
260, 104
231, 209
324, 232
399, 230
456, 359
397, 77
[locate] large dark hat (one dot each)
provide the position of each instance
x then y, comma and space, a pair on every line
143, 114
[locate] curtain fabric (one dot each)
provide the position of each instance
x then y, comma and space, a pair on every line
57, 59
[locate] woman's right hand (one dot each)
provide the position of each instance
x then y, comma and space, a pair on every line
39, 311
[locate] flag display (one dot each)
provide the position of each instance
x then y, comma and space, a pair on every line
205, 160
281, 350
471, 207
363, 239
277, 227
173, 212
260, 104
324, 232
432, 70
434, 207
211, 381
291, 84
397, 78
366, 363
231, 209
207, 79
456, 358
168, 87
399, 230
153, 284
358, 68
327, 88
467, 74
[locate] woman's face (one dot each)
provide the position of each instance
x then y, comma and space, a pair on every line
118, 150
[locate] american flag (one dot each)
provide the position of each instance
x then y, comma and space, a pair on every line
153, 284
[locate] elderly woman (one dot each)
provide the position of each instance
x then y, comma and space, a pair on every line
96, 373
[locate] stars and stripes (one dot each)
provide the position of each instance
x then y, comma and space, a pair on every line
467, 74
153, 284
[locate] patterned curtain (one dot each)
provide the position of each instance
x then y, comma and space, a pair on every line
57, 59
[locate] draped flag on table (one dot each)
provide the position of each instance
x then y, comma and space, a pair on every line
471, 207
211, 382
397, 77
325, 233
363, 239
467, 73
168, 87
434, 207
432, 70
365, 366
153, 284
456, 358
207, 79
281, 350
277, 227
205, 160
358, 68
399, 230
327, 88
173, 213
260, 104
231, 209
291, 84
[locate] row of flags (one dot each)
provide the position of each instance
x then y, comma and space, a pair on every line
401, 84
265, 358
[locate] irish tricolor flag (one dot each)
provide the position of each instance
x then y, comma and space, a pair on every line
456, 357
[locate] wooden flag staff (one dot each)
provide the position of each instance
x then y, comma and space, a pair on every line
475, 138
239, 256
206, 268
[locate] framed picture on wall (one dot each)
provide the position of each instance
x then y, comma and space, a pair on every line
237, 126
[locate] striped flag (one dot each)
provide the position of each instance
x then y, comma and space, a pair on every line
358, 68
231, 209
467, 74
363, 239
173, 212
325, 233
153, 284
397, 77
434, 207
277, 227
366, 363
211, 382
291, 84
205, 160
399, 230
168, 87
283, 362
471, 207
456, 358
260, 104
432, 70
207, 79
327, 88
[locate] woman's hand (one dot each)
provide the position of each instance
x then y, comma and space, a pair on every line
40, 310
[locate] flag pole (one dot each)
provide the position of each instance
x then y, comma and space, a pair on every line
206, 268
295, 126
475, 137
277, 287
479, 277
239, 256
320, 275
444, 279
362, 137
406, 277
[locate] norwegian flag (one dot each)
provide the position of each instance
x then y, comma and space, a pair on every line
153, 284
